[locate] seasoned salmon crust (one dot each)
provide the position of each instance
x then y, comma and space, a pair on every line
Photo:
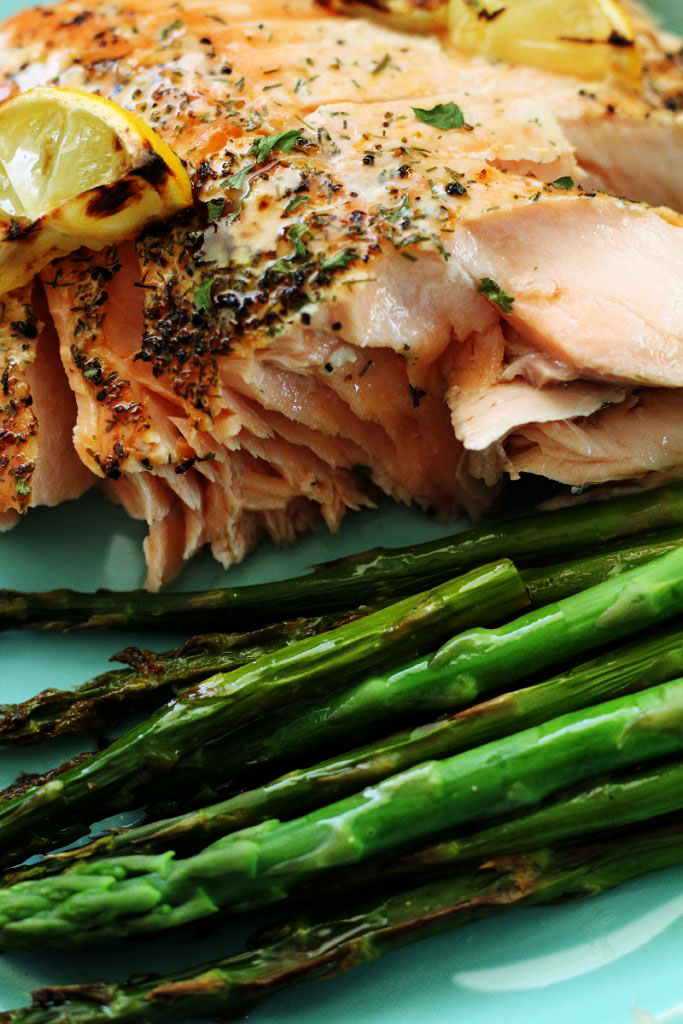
406, 272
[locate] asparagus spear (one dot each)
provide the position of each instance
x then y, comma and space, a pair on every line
308, 668
305, 949
605, 811
602, 808
467, 666
627, 670
607, 805
152, 679
412, 693
113, 897
363, 578
550, 583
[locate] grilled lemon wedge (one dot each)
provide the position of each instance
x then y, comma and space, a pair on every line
76, 169
591, 39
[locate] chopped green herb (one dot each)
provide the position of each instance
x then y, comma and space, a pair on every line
89, 374
285, 141
445, 116
280, 267
401, 212
295, 234
564, 184
296, 202
202, 296
411, 240
379, 67
171, 28
214, 209
23, 488
237, 180
496, 294
350, 282
339, 260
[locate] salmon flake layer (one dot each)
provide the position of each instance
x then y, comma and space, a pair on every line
400, 278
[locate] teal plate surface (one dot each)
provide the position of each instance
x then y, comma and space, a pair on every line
611, 960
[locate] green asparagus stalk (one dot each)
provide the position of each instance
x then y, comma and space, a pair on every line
635, 667
607, 805
413, 693
306, 949
473, 663
151, 680
603, 808
155, 678
479, 661
308, 668
373, 575
550, 583
113, 897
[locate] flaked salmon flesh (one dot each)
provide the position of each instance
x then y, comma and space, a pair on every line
365, 299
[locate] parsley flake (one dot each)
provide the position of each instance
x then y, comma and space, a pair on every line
402, 212
339, 260
445, 116
295, 235
262, 148
202, 296
237, 180
171, 28
564, 184
496, 294
295, 203
214, 209
23, 488
381, 65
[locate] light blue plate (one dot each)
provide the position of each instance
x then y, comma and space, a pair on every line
611, 960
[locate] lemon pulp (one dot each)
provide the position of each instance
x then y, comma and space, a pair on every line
591, 39
77, 169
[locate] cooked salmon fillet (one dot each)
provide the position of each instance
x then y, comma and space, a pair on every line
365, 299
37, 466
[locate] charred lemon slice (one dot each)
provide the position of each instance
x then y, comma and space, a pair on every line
588, 38
76, 169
